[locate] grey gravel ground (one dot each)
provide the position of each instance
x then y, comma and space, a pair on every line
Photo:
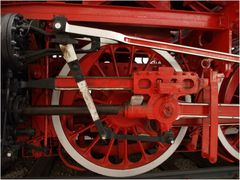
59, 169
17, 169
185, 164
21, 168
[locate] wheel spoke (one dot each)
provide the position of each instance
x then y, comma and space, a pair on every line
144, 155
131, 60
125, 145
161, 145
236, 142
100, 69
92, 144
81, 130
149, 61
97, 56
114, 61
110, 147
122, 149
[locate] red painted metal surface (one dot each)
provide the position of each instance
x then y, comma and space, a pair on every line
199, 110
94, 83
134, 70
213, 117
205, 138
129, 16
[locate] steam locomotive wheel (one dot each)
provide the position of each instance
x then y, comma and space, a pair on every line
229, 135
78, 135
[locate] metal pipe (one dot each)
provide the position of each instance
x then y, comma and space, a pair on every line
63, 110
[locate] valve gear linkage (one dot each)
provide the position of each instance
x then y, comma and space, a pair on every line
70, 56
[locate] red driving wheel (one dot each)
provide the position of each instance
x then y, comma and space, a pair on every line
115, 61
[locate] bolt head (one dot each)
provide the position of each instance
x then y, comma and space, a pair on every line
167, 110
9, 154
103, 137
172, 141
57, 25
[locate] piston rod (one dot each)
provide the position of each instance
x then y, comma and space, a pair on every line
184, 120
63, 110
226, 111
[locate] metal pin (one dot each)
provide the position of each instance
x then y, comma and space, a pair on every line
57, 25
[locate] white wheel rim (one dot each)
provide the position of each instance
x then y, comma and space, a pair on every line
226, 144
224, 140
107, 171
